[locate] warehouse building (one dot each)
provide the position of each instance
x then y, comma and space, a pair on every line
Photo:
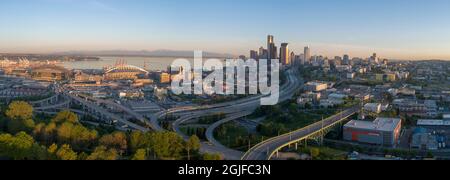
316, 86
382, 131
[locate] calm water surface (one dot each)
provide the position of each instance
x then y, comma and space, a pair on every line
151, 63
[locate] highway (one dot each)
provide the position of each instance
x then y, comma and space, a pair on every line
106, 113
235, 110
120, 107
266, 149
250, 103
230, 154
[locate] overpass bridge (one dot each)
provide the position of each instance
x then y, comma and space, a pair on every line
63, 100
269, 148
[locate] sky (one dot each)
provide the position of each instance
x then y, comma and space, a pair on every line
395, 29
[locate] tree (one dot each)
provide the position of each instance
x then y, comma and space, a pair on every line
49, 133
19, 125
117, 140
102, 153
65, 116
167, 145
19, 110
83, 156
3, 122
76, 135
66, 153
136, 141
140, 155
315, 152
193, 144
20, 147
212, 157
20, 116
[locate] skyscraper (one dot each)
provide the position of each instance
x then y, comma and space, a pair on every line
292, 58
284, 54
271, 48
274, 53
346, 60
254, 55
263, 54
307, 54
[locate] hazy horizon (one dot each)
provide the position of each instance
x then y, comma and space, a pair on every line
394, 29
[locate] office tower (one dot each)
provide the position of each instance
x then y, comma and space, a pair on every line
346, 60
271, 48
270, 44
254, 55
284, 54
261, 51
270, 40
302, 59
292, 58
307, 54
274, 53
263, 54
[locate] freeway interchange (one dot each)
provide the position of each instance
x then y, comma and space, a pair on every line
234, 110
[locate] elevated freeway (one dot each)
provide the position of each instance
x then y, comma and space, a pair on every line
267, 149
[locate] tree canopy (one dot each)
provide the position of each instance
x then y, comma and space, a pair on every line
19, 110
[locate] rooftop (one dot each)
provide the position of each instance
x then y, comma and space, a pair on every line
380, 124
315, 83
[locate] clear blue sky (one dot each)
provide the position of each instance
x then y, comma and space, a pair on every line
407, 29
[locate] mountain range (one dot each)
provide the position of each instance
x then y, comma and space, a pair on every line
145, 53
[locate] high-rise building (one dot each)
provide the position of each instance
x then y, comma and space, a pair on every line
261, 51
274, 53
302, 59
254, 55
271, 48
307, 54
263, 54
284, 54
270, 43
346, 60
292, 58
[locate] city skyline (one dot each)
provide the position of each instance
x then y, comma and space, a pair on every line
412, 30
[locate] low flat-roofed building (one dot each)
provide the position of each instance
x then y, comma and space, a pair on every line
143, 106
81, 77
331, 102
406, 91
337, 96
50, 73
131, 94
430, 122
446, 116
316, 86
424, 141
373, 107
382, 131
351, 75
